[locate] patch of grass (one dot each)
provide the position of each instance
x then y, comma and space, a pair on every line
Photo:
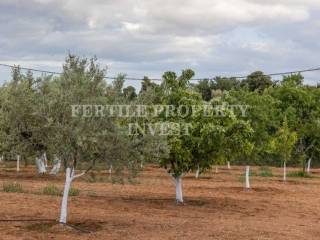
91, 179
74, 192
95, 177
252, 173
51, 190
92, 194
12, 187
40, 227
133, 181
117, 180
300, 174
265, 172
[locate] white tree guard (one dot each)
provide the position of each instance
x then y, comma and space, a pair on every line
197, 172
179, 196
309, 165
110, 169
284, 171
247, 177
18, 163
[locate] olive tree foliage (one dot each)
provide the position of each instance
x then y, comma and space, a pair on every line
83, 137
23, 125
75, 137
37, 116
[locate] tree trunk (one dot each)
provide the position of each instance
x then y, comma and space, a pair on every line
56, 167
64, 204
216, 169
179, 197
197, 172
228, 165
110, 170
303, 165
40, 165
45, 159
284, 171
247, 177
309, 166
18, 163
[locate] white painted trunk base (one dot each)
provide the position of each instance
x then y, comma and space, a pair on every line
247, 177
70, 176
64, 204
45, 160
40, 163
228, 163
179, 196
110, 169
309, 165
18, 163
56, 167
216, 170
198, 172
284, 171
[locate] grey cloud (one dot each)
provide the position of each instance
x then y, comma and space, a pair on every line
148, 37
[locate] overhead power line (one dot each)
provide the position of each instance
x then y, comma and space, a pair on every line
159, 79
285, 73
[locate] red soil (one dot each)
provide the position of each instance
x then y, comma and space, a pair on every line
216, 207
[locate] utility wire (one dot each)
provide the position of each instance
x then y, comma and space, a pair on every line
159, 79
30, 69
60, 73
285, 73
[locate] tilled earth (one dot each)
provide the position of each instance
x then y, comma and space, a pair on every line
216, 207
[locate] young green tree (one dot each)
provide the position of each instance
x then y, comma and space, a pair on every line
283, 144
262, 113
238, 144
299, 105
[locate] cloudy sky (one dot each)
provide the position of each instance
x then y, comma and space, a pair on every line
148, 37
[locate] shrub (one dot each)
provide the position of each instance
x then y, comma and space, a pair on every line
12, 187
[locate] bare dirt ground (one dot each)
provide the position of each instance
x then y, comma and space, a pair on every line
216, 207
